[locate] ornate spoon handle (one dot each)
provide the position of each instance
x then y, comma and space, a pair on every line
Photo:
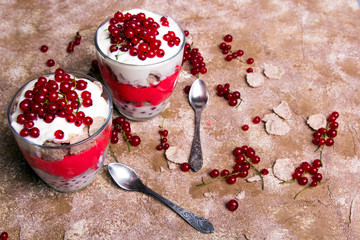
196, 158
199, 223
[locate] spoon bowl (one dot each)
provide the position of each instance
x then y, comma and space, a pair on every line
198, 98
126, 178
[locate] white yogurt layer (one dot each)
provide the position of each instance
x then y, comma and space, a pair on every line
103, 40
99, 108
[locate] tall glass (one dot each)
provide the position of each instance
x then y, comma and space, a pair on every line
140, 92
67, 167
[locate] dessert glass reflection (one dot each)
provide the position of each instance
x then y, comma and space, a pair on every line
62, 134
140, 55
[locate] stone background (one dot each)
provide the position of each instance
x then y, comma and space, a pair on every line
315, 43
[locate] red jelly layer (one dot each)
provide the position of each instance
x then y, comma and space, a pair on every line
73, 165
154, 94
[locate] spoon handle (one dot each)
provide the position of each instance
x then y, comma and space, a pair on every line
199, 223
196, 158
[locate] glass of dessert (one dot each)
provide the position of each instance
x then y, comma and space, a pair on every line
140, 55
62, 125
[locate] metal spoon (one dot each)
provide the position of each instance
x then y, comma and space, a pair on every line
198, 98
127, 179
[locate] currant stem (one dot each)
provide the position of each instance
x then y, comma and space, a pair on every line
291, 181
258, 173
239, 103
301, 191
126, 139
113, 154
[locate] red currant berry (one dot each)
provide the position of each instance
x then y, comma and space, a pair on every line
331, 118
114, 139
34, 132
88, 121
296, 175
4, 236
166, 146
300, 170
50, 63
187, 89
329, 142
250, 61
316, 163
232, 205
264, 171
59, 134
243, 174
313, 170
24, 132
233, 101
335, 114
303, 181
224, 172
306, 166
135, 141
185, 167
334, 125
249, 70
231, 179
322, 130
256, 120
245, 127
332, 133
313, 183
228, 38
159, 147
44, 48
317, 177
186, 32
214, 173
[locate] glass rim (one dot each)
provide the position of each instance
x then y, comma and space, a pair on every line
69, 145
138, 65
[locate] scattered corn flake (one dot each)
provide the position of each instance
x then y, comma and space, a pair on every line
282, 168
316, 121
255, 79
277, 126
283, 110
176, 155
271, 71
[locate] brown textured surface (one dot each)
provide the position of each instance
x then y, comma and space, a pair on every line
317, 45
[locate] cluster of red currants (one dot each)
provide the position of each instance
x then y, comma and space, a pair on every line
304, 168
54, 98
231, 97
75, 42
193, 56
325, 136
230, 55
4, 236
245, 158
137, 34
163, 140
120, 125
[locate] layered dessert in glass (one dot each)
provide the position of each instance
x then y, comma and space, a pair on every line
62, 125
140, 55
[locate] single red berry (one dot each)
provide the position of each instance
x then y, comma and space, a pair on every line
322, 130
228, 38
296, 175
44, 48
114, 139
135, 141
255, 159
249, 70
245, 127
306, 166
214, 173
316, 163
313, 183
59, 134
185, 167
331, 133
228, 58
240, 53
224, 172
329, 142
231, 180
50, 63
303, 181
159, 147
88, 121
335, 114
187, 89
243, 174
334, 125
186, 32
34, 132
4, 236
250, 61
264, 171
317, 177
233, 101
313, 170
166, 146
256, 120
232, 205
331, 118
